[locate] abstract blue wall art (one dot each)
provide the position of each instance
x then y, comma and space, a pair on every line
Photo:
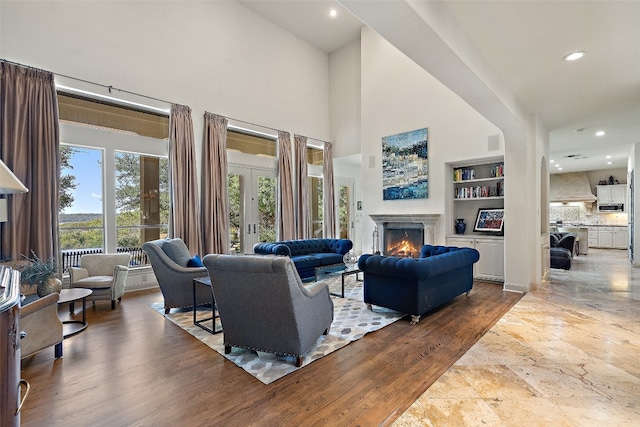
405, 166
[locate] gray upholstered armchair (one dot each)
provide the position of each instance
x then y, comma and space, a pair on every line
104, 274
264, 306
42, 327
169, 259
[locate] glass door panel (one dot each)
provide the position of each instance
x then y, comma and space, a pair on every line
345, 198
252, 207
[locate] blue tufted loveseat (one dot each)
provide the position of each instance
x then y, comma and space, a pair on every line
307, 254
418, 285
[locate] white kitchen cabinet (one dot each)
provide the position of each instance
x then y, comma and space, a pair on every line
605, 237
612, 194
593, 237
490, 266
620, 237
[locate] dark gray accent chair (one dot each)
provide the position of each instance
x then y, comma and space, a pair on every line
264, 306
562, 246
169, 259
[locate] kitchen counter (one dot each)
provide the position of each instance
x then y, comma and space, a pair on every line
581, 231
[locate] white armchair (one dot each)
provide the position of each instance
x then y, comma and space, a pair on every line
41, 325
104, 274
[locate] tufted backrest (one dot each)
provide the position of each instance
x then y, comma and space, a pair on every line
304, 246
429, 250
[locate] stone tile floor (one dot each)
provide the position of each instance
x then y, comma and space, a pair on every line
567, 354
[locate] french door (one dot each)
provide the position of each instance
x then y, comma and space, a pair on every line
252, 207
345, 201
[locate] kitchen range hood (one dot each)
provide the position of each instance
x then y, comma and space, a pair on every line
570, 187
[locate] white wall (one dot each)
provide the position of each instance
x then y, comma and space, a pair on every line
212, 56
344, 77
400, 96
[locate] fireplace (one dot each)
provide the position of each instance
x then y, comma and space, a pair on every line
403, 240
403, 234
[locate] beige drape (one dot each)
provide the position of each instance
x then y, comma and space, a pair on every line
29, 146
328, 193
303, 223
286, 205
184, 183
215, 200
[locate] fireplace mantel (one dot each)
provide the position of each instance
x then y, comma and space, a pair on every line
427, 220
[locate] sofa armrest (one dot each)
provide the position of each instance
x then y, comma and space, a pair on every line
39, 304
271, 248
315, 288
77, 273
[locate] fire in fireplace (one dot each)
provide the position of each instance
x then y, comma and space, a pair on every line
403, 242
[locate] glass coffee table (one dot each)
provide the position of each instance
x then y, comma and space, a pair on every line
342, 269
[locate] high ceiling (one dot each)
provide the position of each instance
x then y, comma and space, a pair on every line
524, 42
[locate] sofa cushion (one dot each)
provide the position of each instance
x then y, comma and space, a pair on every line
305, 261
95, 282
328, 258
177, 250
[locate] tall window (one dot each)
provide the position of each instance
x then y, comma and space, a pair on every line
81, 217
315, 157
251, 188
142, 199
114, 178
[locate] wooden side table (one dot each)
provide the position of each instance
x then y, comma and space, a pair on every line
73, 327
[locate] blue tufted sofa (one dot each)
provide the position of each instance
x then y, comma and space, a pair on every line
307, 254
418, 285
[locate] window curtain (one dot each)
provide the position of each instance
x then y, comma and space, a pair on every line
286, 206
303, 226
183, 174
328, 193
215, 201
29, 146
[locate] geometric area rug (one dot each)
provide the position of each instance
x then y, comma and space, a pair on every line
351, 321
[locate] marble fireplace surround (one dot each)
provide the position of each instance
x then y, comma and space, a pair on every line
428, 221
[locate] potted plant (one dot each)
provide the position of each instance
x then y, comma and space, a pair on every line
43, 274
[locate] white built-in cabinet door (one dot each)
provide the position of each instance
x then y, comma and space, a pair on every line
491, 263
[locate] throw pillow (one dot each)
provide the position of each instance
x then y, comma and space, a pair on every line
195, 262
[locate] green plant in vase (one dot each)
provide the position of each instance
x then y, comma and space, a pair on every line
43, 274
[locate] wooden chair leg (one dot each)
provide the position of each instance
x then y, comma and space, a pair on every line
166, 310
227, 349
113, 304
299, 361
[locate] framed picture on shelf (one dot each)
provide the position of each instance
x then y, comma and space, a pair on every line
490, 220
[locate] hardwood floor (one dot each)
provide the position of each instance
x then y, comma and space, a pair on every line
131, 367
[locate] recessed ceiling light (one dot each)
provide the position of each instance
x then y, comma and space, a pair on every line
600, 133
609, 156
574, 55
333, 13
609, 163
552, 161
557, 165
559, 169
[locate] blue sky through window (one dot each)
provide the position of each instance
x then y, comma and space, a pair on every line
87, 168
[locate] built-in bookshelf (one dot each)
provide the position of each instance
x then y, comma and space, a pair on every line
482, 181
477, 185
